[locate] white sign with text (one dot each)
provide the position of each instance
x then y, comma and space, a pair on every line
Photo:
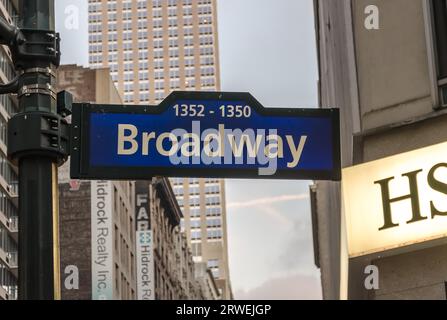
396, 201
102, 240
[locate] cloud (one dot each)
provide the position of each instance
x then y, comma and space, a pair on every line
267, 201
297, 252
292, 287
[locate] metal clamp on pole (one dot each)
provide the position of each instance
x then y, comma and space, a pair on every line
47, 71
46, 89
41, 45
52, 139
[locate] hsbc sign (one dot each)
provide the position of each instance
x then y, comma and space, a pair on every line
396, 201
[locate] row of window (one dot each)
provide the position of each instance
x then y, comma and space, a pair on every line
9, 175
6, 66
194, 212
177, 181
10, 8
122, 286
123, 251
159, 73
213, 211
211, 180
210, 189
212, 200
121, 213
211, 234
144, 97
95, 5
8, 209
8, 104
7, 244
8, 281
159, 85
210, 223
178, 190
143, 53
158, 46
95, 24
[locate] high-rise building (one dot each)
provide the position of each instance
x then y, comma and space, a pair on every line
204, 222
8, 174
154, 47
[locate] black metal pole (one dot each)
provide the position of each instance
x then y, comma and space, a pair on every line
39, 274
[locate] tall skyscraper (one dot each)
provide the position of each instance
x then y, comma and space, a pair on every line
154, 47
8, 175
204, 222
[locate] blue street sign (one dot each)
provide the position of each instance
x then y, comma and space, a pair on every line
204, 134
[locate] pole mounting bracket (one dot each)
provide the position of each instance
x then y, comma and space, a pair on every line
47, 89
36, 45
52, 138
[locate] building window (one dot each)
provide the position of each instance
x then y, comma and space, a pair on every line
194, 190
439, 24
196, 249
215, 272
195, 224
196, 235
194, 200
213, 211
212, 199
194, 212
213, 263
214, 234
213, 222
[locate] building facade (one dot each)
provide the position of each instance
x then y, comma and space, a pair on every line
81, 221
78, 248
383, 63
154, 47
8, 174
207, 282
175, 275
203, 205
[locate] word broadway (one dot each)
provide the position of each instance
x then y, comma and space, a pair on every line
214, 146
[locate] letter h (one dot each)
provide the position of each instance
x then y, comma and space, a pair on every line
387, 201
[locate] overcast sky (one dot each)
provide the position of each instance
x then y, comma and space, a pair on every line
267, 47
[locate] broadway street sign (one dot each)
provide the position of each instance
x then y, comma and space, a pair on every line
204, 134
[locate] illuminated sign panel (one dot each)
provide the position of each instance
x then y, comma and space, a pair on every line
396, 201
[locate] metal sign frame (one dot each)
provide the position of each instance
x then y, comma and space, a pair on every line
80, 147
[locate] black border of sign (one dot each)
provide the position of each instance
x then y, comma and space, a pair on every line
80, 148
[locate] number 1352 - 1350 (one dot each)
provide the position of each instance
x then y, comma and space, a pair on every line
226, 111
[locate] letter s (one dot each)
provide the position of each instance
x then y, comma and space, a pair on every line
437, 186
